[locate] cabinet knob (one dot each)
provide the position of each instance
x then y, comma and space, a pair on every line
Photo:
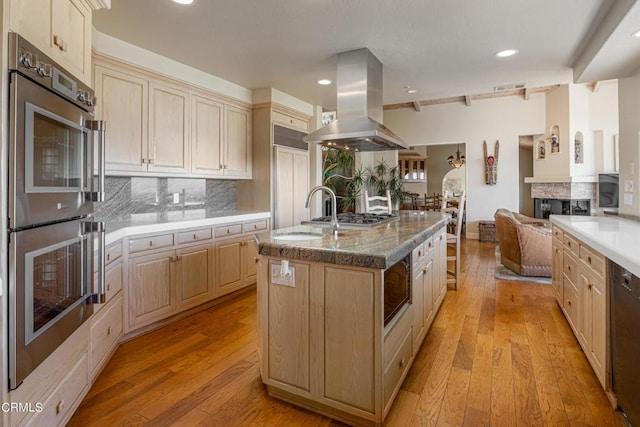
150, 242
589, 259
589, 286
569, 267
59, 407
108, 286
569, 302
255, 259
424, 270
195, 237
419, 253
228, 231
401, 363
109, 330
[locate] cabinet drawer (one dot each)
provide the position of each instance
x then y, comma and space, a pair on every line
113, 281
570, 267
397, 367
396, 335
153, 242
106, 328
229, 230
290, 121
557, 233
594, 260
571, 244
418, 256
55, 410
194, 236
113, 252
252, 227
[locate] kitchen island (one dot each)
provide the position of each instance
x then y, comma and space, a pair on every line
330, 339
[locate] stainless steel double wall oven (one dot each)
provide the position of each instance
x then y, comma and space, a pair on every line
53, 241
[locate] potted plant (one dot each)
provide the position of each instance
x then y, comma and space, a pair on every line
382, 178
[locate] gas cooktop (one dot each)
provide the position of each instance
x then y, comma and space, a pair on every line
355, 219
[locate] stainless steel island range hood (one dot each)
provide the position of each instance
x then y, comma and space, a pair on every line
359, 125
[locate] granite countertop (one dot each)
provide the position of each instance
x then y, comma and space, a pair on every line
376, 247
614, 237
171, 221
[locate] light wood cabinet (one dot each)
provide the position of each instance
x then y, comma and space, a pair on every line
292, 186
583, 298
168, 129
273, 159
106, 330
152, 288
235, 264
123, 103
194, 275
160, 126
323, 342
60, 28
206, 136
237, 145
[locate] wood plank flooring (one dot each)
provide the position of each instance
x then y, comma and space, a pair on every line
499, 353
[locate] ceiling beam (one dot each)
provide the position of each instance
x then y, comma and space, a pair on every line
466, 99
416, 106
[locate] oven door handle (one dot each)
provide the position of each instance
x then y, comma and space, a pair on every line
99, 126
96, 227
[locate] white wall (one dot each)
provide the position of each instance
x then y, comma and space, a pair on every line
554, 165
580, 121
603, 117
502, 119
629, 110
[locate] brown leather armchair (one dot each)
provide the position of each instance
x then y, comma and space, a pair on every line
525, 243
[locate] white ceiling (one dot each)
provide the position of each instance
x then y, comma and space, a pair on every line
440, 47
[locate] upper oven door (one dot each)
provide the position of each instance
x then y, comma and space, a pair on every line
50, 156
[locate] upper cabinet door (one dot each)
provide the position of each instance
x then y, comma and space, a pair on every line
60, 28
71, 36
168, 129
122, 103
32, 20
238, 142
206, 136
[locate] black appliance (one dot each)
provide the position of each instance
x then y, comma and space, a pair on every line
355, 219
52, 237
625, 342
397, 287
608, 190
542, 208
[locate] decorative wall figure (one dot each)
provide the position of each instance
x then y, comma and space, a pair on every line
490, 165
541, 150
578, 148
555, 143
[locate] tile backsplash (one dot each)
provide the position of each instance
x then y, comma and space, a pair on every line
139, 195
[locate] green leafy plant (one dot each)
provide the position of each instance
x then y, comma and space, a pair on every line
382, 178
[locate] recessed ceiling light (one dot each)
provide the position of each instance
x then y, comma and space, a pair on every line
636, 34
324, 82
184, 2
412, 90
506, 53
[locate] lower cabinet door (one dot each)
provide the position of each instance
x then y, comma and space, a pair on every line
249, 258
228, 266
106, 329
194, 275
152, 290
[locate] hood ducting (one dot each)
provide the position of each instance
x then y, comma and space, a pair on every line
359, 125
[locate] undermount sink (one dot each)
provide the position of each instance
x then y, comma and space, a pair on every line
298, 236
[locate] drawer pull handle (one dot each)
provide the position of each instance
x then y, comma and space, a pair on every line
255, 226
255, 259
108, 286
228, 231
109, 330
401, 363
108, 257
569, 267
150, 242
59, 407
589, 259
419, 253
195, 237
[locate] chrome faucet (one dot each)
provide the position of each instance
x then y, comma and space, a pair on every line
334, 207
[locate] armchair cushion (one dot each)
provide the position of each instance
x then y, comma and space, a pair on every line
525, 243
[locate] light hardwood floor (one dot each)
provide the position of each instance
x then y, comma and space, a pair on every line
499, 353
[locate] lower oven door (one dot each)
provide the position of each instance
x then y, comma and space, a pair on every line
50, 285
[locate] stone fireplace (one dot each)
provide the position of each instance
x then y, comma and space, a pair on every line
563, 198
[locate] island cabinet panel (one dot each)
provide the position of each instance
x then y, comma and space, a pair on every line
557, 267
152, 293
350, 306
417, 306
289, 326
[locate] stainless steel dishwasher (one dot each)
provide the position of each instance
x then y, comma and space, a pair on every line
625, 340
